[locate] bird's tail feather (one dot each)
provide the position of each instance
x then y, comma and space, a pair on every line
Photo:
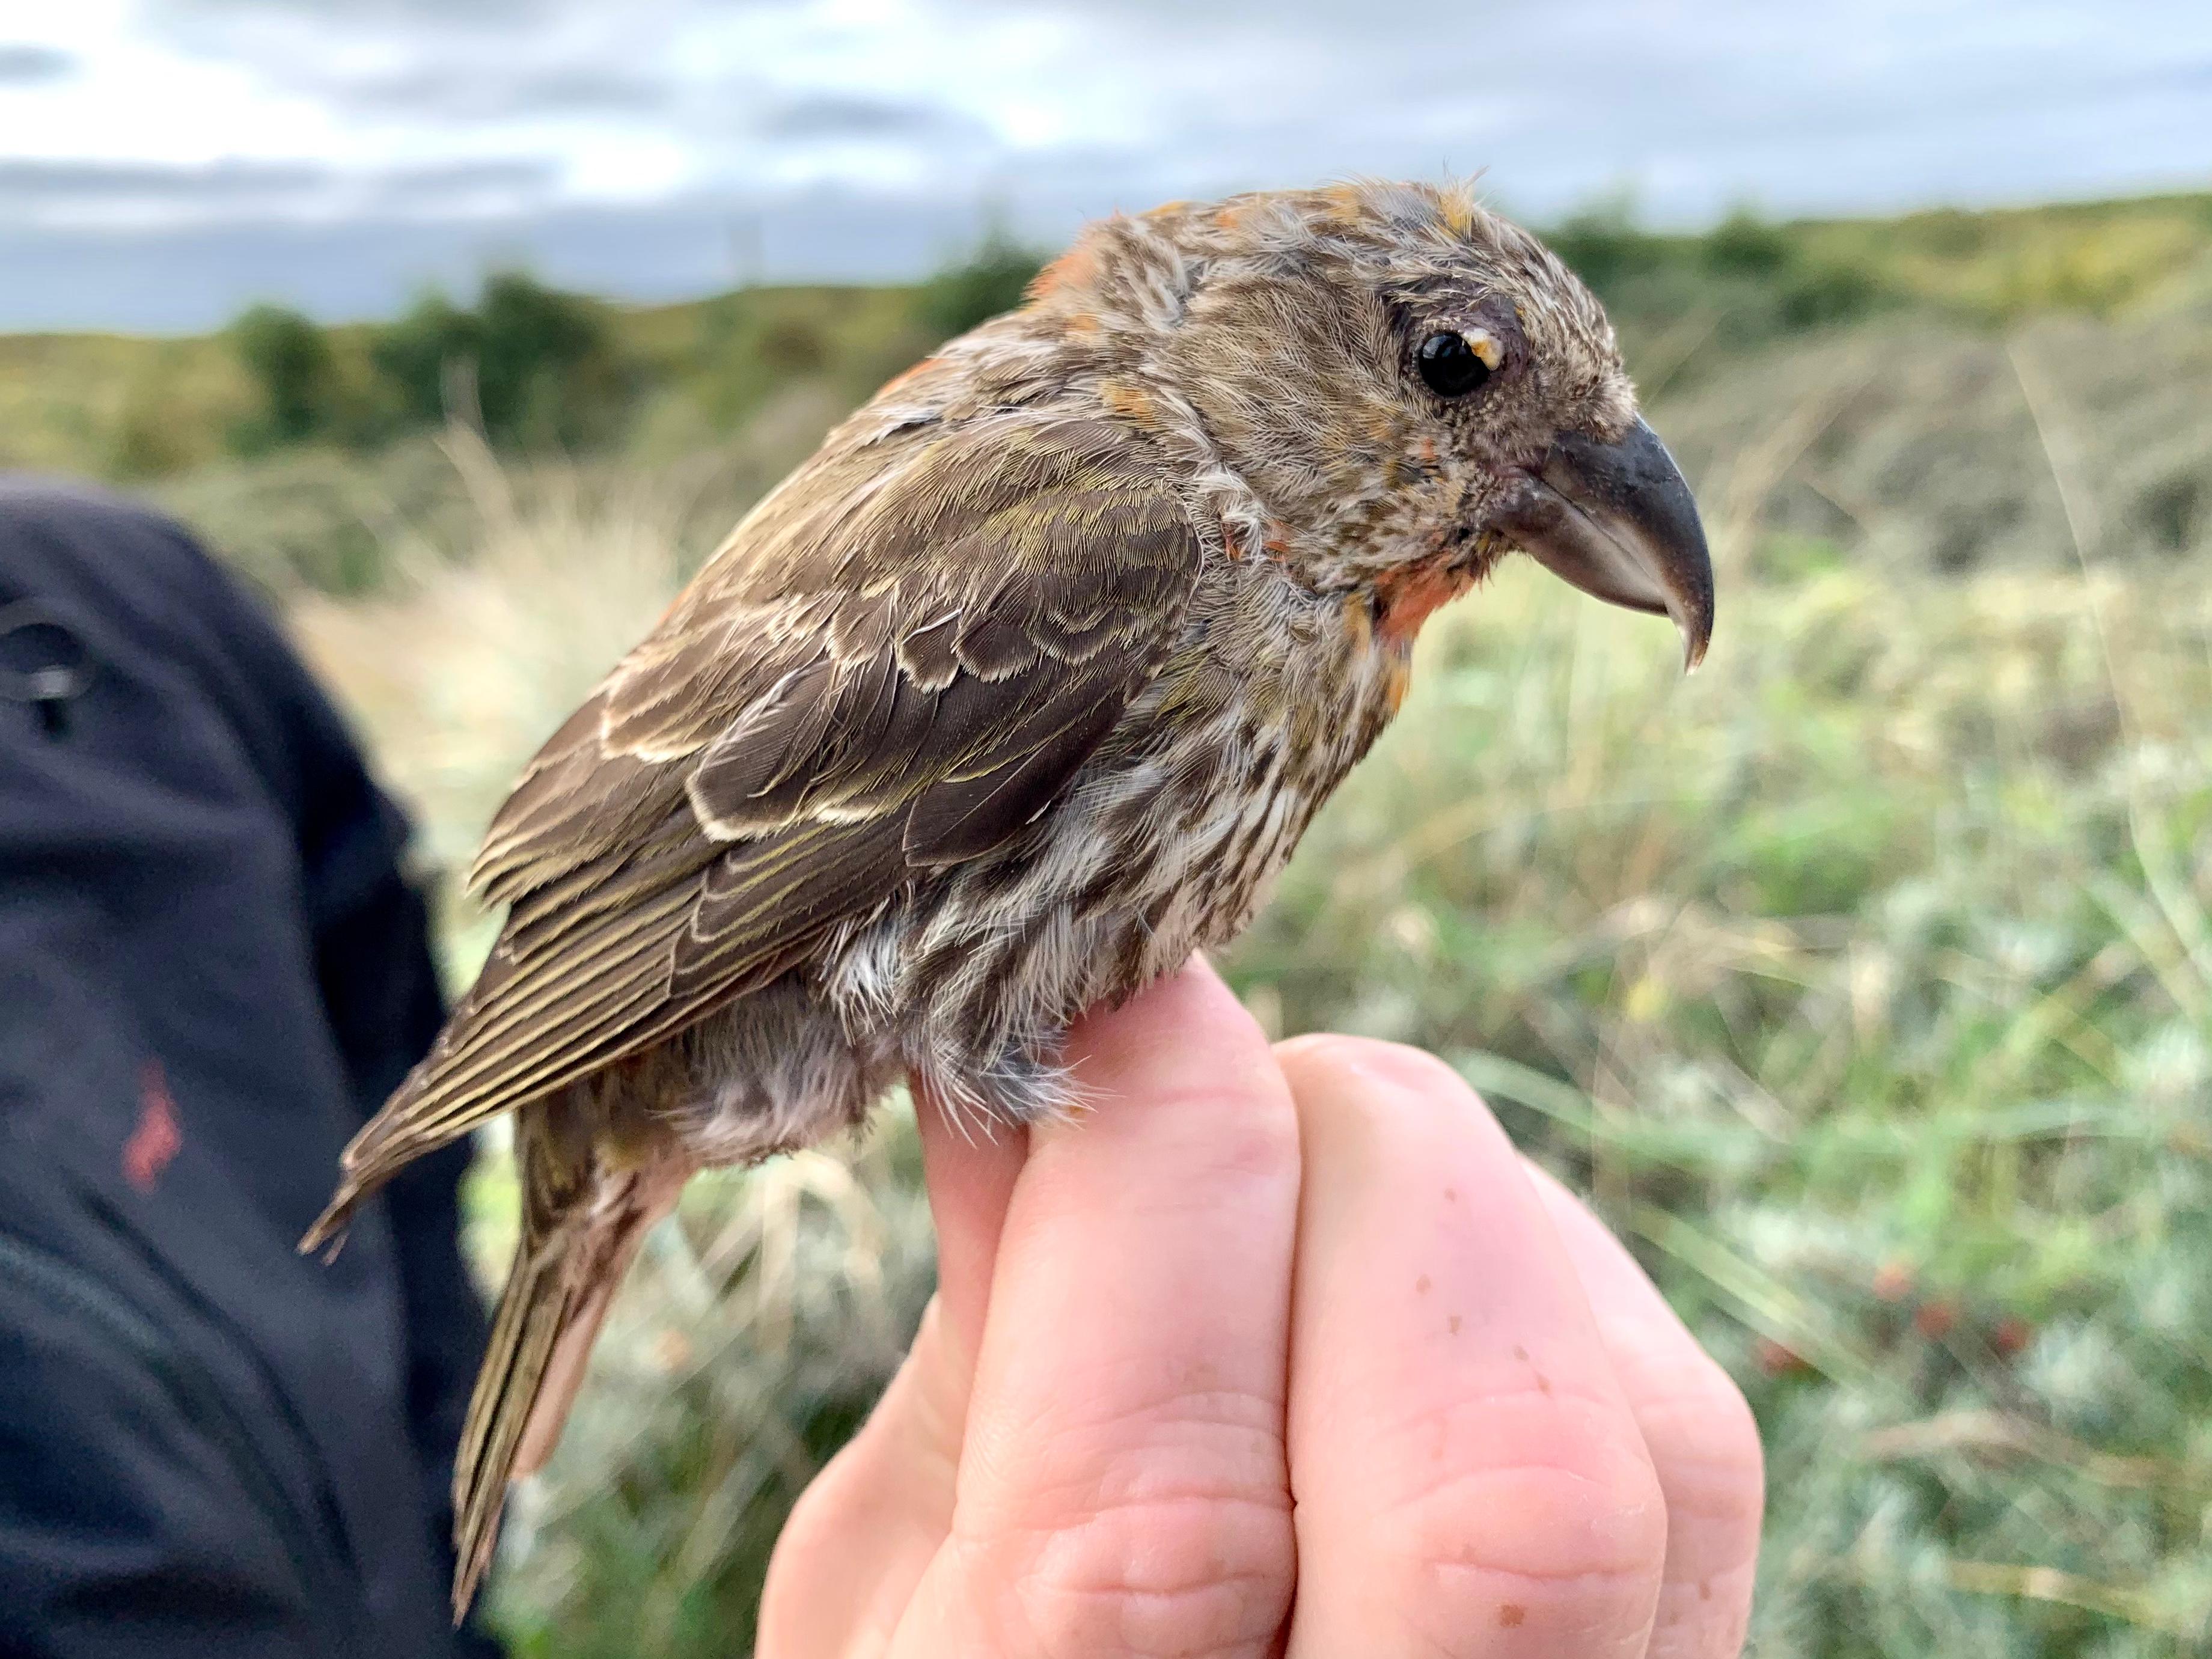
557, 1294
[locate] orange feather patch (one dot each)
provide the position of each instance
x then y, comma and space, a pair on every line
1410, 595
906, 374
1078, 265
1130, 401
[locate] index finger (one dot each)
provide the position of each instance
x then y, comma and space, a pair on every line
1122, 1487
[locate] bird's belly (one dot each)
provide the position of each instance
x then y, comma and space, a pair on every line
1139, 866
971, 989
768, 1072
968, 982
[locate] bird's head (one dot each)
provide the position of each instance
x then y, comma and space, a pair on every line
1411, 387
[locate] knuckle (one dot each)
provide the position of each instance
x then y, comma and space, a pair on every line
1571, 1538
1172, 1442
1704, 1440
1195, 1573
1334, 1055
1261, 1141
1163, 1530
1231, 1128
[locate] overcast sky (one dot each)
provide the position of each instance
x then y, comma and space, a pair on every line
164, 161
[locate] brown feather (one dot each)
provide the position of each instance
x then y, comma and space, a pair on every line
582, 1223
970, 635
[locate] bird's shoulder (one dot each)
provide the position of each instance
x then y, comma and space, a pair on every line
925, 608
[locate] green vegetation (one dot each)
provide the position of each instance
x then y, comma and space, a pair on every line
990, 280
1987, 271
1774, 281
1864, 979
305, 450
528, 366
290, 362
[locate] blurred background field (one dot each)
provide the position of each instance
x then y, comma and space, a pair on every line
1864, 979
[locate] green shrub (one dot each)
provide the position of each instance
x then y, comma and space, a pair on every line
532, 365
423, 356
1745, 244
991, 279
294, 375
1603, 245
1832, 291
548, 370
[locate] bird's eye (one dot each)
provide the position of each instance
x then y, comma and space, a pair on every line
1452, 364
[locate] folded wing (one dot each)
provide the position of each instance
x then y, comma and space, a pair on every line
896, 664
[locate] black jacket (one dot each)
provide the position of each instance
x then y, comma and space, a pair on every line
211, 969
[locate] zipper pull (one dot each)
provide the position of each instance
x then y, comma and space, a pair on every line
43, 662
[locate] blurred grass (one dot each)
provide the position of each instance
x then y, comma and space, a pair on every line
1864, 979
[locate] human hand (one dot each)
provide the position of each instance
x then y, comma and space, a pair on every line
1277, 1353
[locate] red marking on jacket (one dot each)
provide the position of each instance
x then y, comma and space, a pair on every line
157, 1138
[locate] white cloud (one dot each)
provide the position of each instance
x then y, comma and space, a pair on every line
691, 112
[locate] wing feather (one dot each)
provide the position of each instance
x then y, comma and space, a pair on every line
897, 663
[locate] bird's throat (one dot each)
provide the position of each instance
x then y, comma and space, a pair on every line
1408, 595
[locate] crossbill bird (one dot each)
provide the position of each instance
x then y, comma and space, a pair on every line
1015, 693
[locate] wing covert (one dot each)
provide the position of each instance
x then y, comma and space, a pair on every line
895, 663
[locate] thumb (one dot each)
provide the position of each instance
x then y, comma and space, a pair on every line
860, 1538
